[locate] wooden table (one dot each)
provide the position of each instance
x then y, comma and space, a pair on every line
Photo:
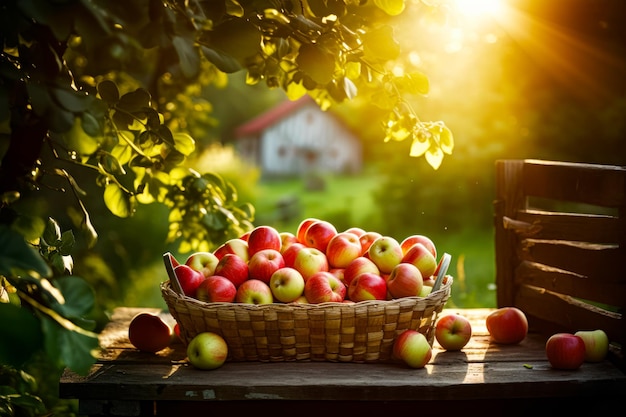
484, 378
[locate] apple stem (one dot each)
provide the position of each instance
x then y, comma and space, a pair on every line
445, 263
170, 273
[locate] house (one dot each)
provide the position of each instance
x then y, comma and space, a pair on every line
298, 137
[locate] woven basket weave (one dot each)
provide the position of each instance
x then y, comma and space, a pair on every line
360, 332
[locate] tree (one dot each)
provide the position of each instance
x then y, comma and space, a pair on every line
104, 87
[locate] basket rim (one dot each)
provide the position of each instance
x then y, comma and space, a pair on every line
434, 298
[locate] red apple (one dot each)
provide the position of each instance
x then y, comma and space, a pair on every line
413, 239
254, 291
149, 333
287, 284
318, 234
188, 278
357, 267
234, 246
289, 255
323, 287
453, 331
302, 227
565, 351
264, 263
366, 240
422, 258
342, 249
338, 272
263, 237
309, 261
286, 239
356, 230
216, 289
245, 236
204, 262
405, 280
386, 253
367, 286
234, 268
507, 325
412, 348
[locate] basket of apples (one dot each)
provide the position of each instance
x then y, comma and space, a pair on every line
318, 294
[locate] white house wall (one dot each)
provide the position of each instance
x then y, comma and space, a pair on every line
308, 129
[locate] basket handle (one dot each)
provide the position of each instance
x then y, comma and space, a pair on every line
167, 260
443, 268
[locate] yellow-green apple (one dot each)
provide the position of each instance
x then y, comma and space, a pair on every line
596, 344
324, 287
309, 261
300, 300
405, 280
425, 292
453, 331
264, 237
422, 258
507, 325
412, 348
367, 286
318, 234
287, 284
188, 278
386, 253
430, 281
366, 240
286, 239
302, 227
204, 262
234, 268
357, 267
216, 289
409, 241
289, 255
565, 351
235, 246
264, 263
207, 350
342, 249
356, 230
254, 291
148, 332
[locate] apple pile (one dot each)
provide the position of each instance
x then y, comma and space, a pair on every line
316, 264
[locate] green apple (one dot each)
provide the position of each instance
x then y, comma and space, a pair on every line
386, 253
207, 351
287, 284
596, 344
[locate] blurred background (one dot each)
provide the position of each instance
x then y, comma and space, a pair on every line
543, 79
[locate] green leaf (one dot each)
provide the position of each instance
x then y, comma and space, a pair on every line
379, 44
71, 100
71, 349
135, 100
78, 294
233, 8
16, 253
391, 7
416, 83
108, 91
117, 201
23, 330
184, 143
186, 51
222, 61
316, 63
52, 232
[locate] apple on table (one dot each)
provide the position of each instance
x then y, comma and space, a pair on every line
453, 331
565, 351
207, 350
148, 332
507, 325
596, 344
412, 348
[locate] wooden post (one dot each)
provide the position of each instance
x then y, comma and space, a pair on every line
509, 199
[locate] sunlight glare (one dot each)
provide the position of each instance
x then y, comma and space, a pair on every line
478, 8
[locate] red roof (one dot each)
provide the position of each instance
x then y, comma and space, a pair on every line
272, 116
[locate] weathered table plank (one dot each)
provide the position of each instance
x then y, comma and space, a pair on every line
135, 382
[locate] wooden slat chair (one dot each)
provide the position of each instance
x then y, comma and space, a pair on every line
560, 233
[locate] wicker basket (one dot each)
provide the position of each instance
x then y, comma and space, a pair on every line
360, 332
